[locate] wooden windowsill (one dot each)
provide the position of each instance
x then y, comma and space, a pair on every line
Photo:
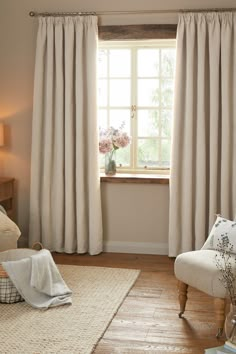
135, 178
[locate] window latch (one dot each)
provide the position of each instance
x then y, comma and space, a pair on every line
133, 109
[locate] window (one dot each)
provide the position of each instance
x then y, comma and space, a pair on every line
136, 89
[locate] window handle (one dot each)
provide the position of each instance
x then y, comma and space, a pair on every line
133, 109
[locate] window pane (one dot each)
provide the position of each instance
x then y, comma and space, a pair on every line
120, 62
167, 62
165, 153
102, 92
119, 117
166, 119
148, 92
123, 157
148, 122
102, 63
119, 92
148, 62
148, 152
102, 118
167, 93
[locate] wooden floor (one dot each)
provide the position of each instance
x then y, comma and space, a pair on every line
147, 321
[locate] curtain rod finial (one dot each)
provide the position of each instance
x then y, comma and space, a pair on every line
32, 13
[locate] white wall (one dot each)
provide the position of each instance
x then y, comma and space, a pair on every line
135, 214
135, 217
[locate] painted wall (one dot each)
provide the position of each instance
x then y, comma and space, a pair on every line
135, 216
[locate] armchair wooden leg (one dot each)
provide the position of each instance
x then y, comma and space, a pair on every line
219, 305
182, 290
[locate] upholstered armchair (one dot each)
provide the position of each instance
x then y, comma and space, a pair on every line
198, 269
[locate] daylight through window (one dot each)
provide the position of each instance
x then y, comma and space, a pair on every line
135, 88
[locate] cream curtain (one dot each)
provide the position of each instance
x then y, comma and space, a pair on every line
203, 166
65, 205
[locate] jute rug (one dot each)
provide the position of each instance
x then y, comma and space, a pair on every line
97, 295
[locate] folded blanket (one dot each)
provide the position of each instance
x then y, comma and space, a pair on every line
38, 280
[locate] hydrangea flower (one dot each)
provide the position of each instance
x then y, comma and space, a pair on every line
121, 140
105, 145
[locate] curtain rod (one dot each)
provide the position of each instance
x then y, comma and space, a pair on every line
54, 14
137, 12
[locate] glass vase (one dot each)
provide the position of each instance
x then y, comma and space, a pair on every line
230, 326
110, 163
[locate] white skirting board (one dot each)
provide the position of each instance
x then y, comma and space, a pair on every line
125, 247
136, 247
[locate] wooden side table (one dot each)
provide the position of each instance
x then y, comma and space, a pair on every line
7, 194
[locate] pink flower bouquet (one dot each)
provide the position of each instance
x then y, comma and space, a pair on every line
111, 140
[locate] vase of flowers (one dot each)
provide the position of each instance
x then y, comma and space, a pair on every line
111, 140
230, 326
225, 258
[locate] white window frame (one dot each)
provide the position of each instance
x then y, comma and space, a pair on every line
135, 45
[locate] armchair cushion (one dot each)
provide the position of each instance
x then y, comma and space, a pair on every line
198, 269
221, 227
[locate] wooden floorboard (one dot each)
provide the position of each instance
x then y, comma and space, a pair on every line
147, 321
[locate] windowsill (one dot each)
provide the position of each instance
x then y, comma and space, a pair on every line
135, 178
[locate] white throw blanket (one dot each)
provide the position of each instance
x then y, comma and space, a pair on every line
38, 280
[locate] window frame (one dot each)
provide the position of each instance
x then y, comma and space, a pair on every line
109, 36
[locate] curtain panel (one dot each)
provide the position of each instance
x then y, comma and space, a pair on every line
203, 162
65, 201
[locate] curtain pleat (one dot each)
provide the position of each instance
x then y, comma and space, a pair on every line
58, 177
65, 202
203, 161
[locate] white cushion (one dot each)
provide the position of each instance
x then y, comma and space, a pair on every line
198, 269
221, 228
9, 233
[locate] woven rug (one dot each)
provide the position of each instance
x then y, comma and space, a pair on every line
97, 295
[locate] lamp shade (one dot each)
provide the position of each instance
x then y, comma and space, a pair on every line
1, 134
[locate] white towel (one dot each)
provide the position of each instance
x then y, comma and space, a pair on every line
38, 280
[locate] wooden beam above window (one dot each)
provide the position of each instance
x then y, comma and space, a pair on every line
137, 32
